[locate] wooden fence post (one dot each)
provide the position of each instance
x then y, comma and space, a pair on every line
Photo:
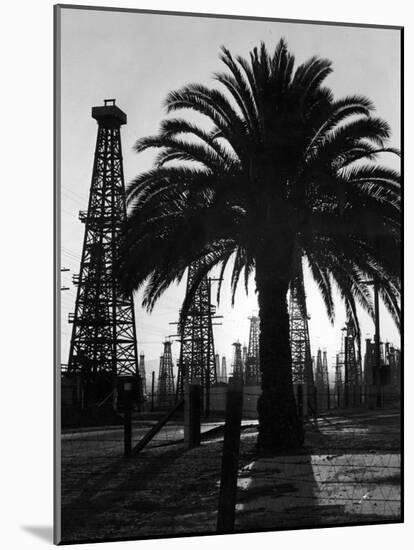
230, 457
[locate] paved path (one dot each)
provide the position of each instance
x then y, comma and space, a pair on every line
319, 490
351, 474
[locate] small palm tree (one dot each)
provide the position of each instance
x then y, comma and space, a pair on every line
276, 172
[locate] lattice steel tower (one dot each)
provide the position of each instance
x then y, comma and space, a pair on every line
237, 361
217, 360
369, 362
338, 388
103, 345
142, 375
244, 356
326, 376
302, 363
322, 381
253, 357
166, 393
352, 367
197, 359
223, 370
299, 340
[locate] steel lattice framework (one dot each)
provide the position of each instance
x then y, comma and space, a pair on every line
166, 391
223, 370
197, 357
103, 345
253, 357
244, 356
352, 367
237, 361
369, 362
302, 371
353, 374
394, 361
142, 375
339, 386
217, 361
322, 381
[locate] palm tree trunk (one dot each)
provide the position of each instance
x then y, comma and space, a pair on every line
279, 424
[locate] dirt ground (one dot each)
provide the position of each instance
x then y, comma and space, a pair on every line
348, 472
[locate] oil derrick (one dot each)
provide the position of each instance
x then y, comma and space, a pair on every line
237, 361
244, 356
326, 376
253, 359
223, 370
197, 361
339, 385
352, 369
302, 361
165, 391
397, 373
388, 365
369, 362
103, 344
217, 361
394, 365
321, 382
142, 376
387, 368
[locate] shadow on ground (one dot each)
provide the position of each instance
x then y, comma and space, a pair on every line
349, 473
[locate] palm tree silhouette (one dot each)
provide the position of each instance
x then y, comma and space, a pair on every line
273, 173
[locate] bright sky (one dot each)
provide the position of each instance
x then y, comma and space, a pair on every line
137, 59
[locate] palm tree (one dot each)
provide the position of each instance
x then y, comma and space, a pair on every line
276, 172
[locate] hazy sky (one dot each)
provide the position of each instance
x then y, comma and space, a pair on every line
137, 59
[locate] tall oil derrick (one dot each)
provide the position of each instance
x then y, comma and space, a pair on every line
326, 375
197, 360
369, 373
244, 357
321, 382
369, 359
103, 344
142, 375
352, 369
237, 361
223, 370
397, 376
387, 363
217, 361
253, 358
165, 390
339, 385
302, 361
394, 365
